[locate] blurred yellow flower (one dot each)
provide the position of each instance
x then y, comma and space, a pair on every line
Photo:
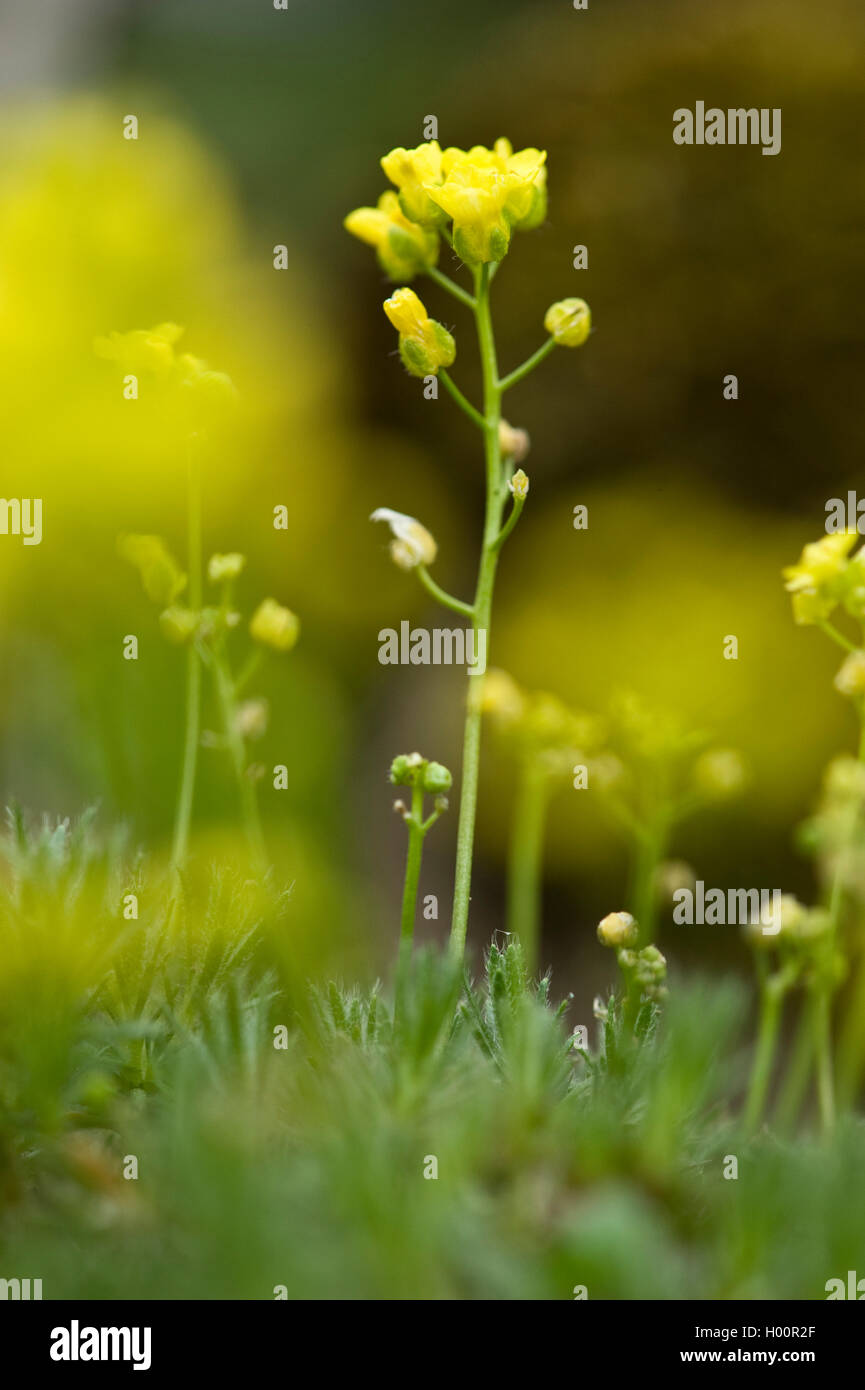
142, 349
160, 574
274, 626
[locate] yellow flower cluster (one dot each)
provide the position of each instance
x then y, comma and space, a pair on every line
825, 576
485, 193
424, 344
150, 351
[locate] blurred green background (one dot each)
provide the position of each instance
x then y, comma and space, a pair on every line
260, 127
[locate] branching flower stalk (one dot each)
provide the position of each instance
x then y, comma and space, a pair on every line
473, 199
422, 778
192, 728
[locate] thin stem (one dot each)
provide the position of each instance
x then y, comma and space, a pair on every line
528, 366
481, 614
516, 511
525, 859
836, 636
440, 595
798, 1073
186, 791
465, 405
225, 690
772, 991
416, 832
451, 286
823, 1053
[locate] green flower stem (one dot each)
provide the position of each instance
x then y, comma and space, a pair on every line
773, 990
525, 859
798, 1073
439, 594
823, 1052
465, 405
650, 848
186, 792
528, 366
481, 614
832, 632
416, 832
851, 1044
225, 690
248, 671
451, 286
516, 511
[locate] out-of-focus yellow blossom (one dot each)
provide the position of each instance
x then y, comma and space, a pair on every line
569, 321
424, 344
178, 624
513, 442
412, 544
142, 349
274, 626
223, 567
251, 718
160, 574
403, 247
818, 581
413, 171
501, 697
719, 772
850, 679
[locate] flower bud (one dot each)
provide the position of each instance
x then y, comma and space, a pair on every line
850, 679
161, 576
405, 769
178, 624
719, 773
436, 778
251, 717
514, 443
223, 567
519, 486
412, 544
274, 626
569, 321
618, 929
424, 344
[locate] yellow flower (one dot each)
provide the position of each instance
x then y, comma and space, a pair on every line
502, 698
412, 543
274, 626
160, 574
222, 567
475, 197
569, 321
817, 581
413, 171
820, 562
403, 248
143, 349
526, 204
424, 344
